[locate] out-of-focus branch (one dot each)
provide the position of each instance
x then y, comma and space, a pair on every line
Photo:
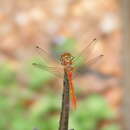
125, 10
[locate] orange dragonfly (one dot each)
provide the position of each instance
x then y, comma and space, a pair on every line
67, 64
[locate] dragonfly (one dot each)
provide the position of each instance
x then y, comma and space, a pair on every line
67, 64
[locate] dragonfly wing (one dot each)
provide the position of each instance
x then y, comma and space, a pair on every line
90, 63
45, 55
94, 60
87, 51
56, 71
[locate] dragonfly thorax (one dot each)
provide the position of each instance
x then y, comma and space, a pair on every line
66, 59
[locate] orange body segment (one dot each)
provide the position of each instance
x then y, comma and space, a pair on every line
72, 91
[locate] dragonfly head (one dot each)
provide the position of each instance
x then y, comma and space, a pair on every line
66, 59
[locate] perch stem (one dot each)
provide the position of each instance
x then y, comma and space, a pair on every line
64, 116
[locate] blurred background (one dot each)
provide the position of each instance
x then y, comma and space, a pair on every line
30, 98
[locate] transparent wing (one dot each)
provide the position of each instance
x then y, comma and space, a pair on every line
41, 50
56, 71
86, 51
90, 62
94, 60
46, 56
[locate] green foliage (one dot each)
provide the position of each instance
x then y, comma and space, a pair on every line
113, 126
90, 112
37, 76
7, 75
67, 46
44, 106
44, 114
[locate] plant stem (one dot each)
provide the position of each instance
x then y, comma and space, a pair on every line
64, 116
